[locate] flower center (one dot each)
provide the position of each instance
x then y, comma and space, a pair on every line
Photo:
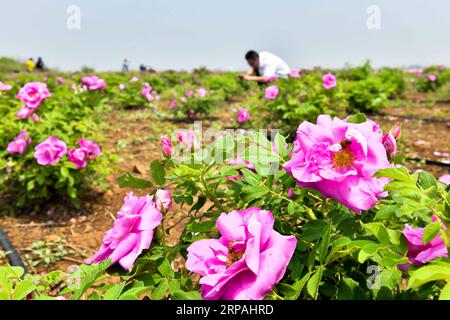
344, 157
233, 256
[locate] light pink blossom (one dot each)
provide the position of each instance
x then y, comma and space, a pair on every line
5, 87
19, 144
33, 94
329, 81
92, 149
166, 145
50, 151
201, 92
78, 157
339, 160
92, 82
271, 92
188, 139
60, 80
295, 73
132, 232
248, 260
445, 178
419, 252
243, 115
163, 200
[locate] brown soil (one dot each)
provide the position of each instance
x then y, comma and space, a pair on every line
134, 136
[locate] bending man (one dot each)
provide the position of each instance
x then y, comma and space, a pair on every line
264, 65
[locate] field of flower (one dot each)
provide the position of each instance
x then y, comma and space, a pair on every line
331, 184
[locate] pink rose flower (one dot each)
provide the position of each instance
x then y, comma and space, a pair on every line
36, 118
5, 87
202, 92
60, 80
24, 112
271, 78
173, 104
146, 92
329, 81
295, 73
390, 144
93, 83
32, 94
248, 260
50, 151
163, 199
134, 79
78, 157
271, 92
166, 145
188, 139
91, 148
338, 159
132, 232
121, 87
432, 77
189, 93
237, 162
396, 130
19, 144
445, 178
243, 115
419, 252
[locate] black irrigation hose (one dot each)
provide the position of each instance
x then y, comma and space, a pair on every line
432, 162
414, 118
13, 255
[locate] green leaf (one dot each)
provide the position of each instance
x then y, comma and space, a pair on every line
114, 292
160, 290
430, 231
127, 180
324, 243
313, 229
88, 275
357, 118
165, 269
203, 226
23, 289
158, 172
368, 251
312, 287
427, 180
186, 295
64, 172
400, 174
445, 292
384, 235
427, 274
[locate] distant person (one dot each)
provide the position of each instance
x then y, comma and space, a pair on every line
40, 64
142, 68
264, 65
125, 66
30, 65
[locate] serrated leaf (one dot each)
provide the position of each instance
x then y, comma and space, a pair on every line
427, 274
312, 287
127, 180
158, 172
430, 231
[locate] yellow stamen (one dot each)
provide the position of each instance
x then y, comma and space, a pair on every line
233, 256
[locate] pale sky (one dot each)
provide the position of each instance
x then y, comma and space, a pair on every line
184, 34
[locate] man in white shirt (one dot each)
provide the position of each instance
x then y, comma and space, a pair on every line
265, 65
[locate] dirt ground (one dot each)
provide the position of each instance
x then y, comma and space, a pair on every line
134, 136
